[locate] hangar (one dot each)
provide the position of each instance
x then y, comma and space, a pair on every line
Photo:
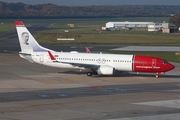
158, 26
151, 26
127, 24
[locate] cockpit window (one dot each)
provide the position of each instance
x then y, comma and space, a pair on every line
164, 62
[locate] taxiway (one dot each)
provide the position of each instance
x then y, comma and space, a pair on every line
32, 91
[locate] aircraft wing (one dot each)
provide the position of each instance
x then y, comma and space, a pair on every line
89, 66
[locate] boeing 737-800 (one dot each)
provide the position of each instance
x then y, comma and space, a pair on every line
100, 64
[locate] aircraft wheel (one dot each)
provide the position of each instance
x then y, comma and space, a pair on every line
157, 76
89, 73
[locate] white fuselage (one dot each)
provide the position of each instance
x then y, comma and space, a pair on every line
119, 62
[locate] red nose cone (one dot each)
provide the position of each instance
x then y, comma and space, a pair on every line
171, 66
167, 67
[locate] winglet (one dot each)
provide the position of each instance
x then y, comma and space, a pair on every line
87, 50
51, 56
19, 23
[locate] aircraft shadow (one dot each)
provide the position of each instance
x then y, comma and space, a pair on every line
119, 74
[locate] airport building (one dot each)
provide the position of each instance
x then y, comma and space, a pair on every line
128, 24
158, 26
151, 26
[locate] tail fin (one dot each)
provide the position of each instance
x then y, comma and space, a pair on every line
87, 50
27, 42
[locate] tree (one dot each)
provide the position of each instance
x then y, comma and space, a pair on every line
16, 10
175, 19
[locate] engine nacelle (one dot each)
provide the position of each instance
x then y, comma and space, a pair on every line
106, 70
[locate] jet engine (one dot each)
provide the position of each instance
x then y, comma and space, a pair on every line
106, 70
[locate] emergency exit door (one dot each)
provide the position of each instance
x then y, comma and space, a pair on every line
41, 58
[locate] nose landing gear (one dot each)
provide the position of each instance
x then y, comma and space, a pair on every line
159, 73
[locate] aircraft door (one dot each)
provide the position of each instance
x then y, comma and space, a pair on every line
153, 64
41, 58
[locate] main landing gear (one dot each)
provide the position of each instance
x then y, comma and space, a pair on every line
91, 72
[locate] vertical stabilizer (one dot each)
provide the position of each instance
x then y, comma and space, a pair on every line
27, 42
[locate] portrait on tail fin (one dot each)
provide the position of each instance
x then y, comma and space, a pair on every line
25, 38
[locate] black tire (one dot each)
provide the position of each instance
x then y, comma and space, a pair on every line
89, 73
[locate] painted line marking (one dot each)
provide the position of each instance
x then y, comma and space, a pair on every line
97, 87
63, 95
174, 116
44, 96
166, 103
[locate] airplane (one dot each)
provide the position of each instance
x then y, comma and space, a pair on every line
96, 64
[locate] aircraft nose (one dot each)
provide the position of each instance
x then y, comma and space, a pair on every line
171, 66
